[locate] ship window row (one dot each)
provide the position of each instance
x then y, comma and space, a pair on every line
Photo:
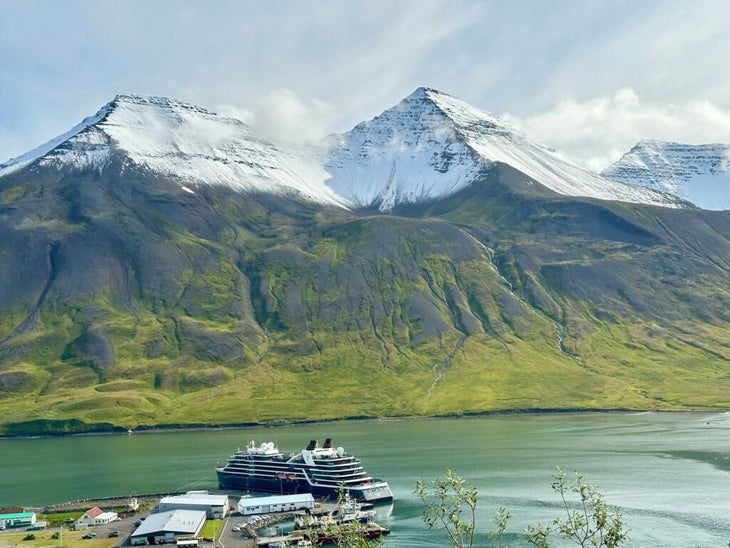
328, 465
335, 484
250, 466
335, 481
257, 458
333, 475
296, 469
335, 465
339, 474
263, 473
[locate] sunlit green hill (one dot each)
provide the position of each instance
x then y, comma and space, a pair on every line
125, 302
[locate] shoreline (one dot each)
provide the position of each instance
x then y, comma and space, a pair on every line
109, 502
161, 429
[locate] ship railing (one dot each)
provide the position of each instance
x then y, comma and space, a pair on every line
361, 475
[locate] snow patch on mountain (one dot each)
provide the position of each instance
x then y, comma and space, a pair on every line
188, 142
432, 144
698, 173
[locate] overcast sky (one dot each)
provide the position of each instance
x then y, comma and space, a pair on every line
589, 78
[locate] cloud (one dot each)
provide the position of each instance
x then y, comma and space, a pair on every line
332, 64
598, 131
243, 114
283, 115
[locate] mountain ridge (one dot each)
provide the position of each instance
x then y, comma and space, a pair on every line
429, 145
431, 129
698, 173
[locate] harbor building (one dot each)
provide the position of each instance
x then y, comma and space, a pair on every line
96, 516
17, 519
270, 505
166, 527
215, 506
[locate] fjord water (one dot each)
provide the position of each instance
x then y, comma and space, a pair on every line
669, 473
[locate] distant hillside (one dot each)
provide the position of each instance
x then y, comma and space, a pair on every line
128, 301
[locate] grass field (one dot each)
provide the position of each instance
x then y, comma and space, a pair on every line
54, 538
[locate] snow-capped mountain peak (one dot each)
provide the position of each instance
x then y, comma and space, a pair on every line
465, 116
148, 126
698, 173
432, 144
426, 147
186, 143
408, 153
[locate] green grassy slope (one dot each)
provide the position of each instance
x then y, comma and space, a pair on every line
143, 308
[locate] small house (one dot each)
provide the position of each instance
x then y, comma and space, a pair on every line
96, 516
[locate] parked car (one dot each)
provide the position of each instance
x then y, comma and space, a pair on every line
89, 535
113, 534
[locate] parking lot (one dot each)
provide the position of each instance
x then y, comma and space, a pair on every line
237, 528
234, 531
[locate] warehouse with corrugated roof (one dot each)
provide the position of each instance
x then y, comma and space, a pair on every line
165, 527
215, 506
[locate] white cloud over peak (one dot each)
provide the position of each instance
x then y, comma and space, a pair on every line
243, 114
596, 132
285, 116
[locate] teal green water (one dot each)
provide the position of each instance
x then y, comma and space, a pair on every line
669, 473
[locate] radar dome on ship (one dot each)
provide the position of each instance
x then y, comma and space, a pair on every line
340, 451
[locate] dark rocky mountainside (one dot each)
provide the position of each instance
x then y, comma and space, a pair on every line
127, 302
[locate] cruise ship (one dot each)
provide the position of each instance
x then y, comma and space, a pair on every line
321, 471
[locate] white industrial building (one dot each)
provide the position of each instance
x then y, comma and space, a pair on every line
215, 506
165, 527
281, 503
17, 519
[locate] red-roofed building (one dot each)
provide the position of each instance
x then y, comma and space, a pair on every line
97, 516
